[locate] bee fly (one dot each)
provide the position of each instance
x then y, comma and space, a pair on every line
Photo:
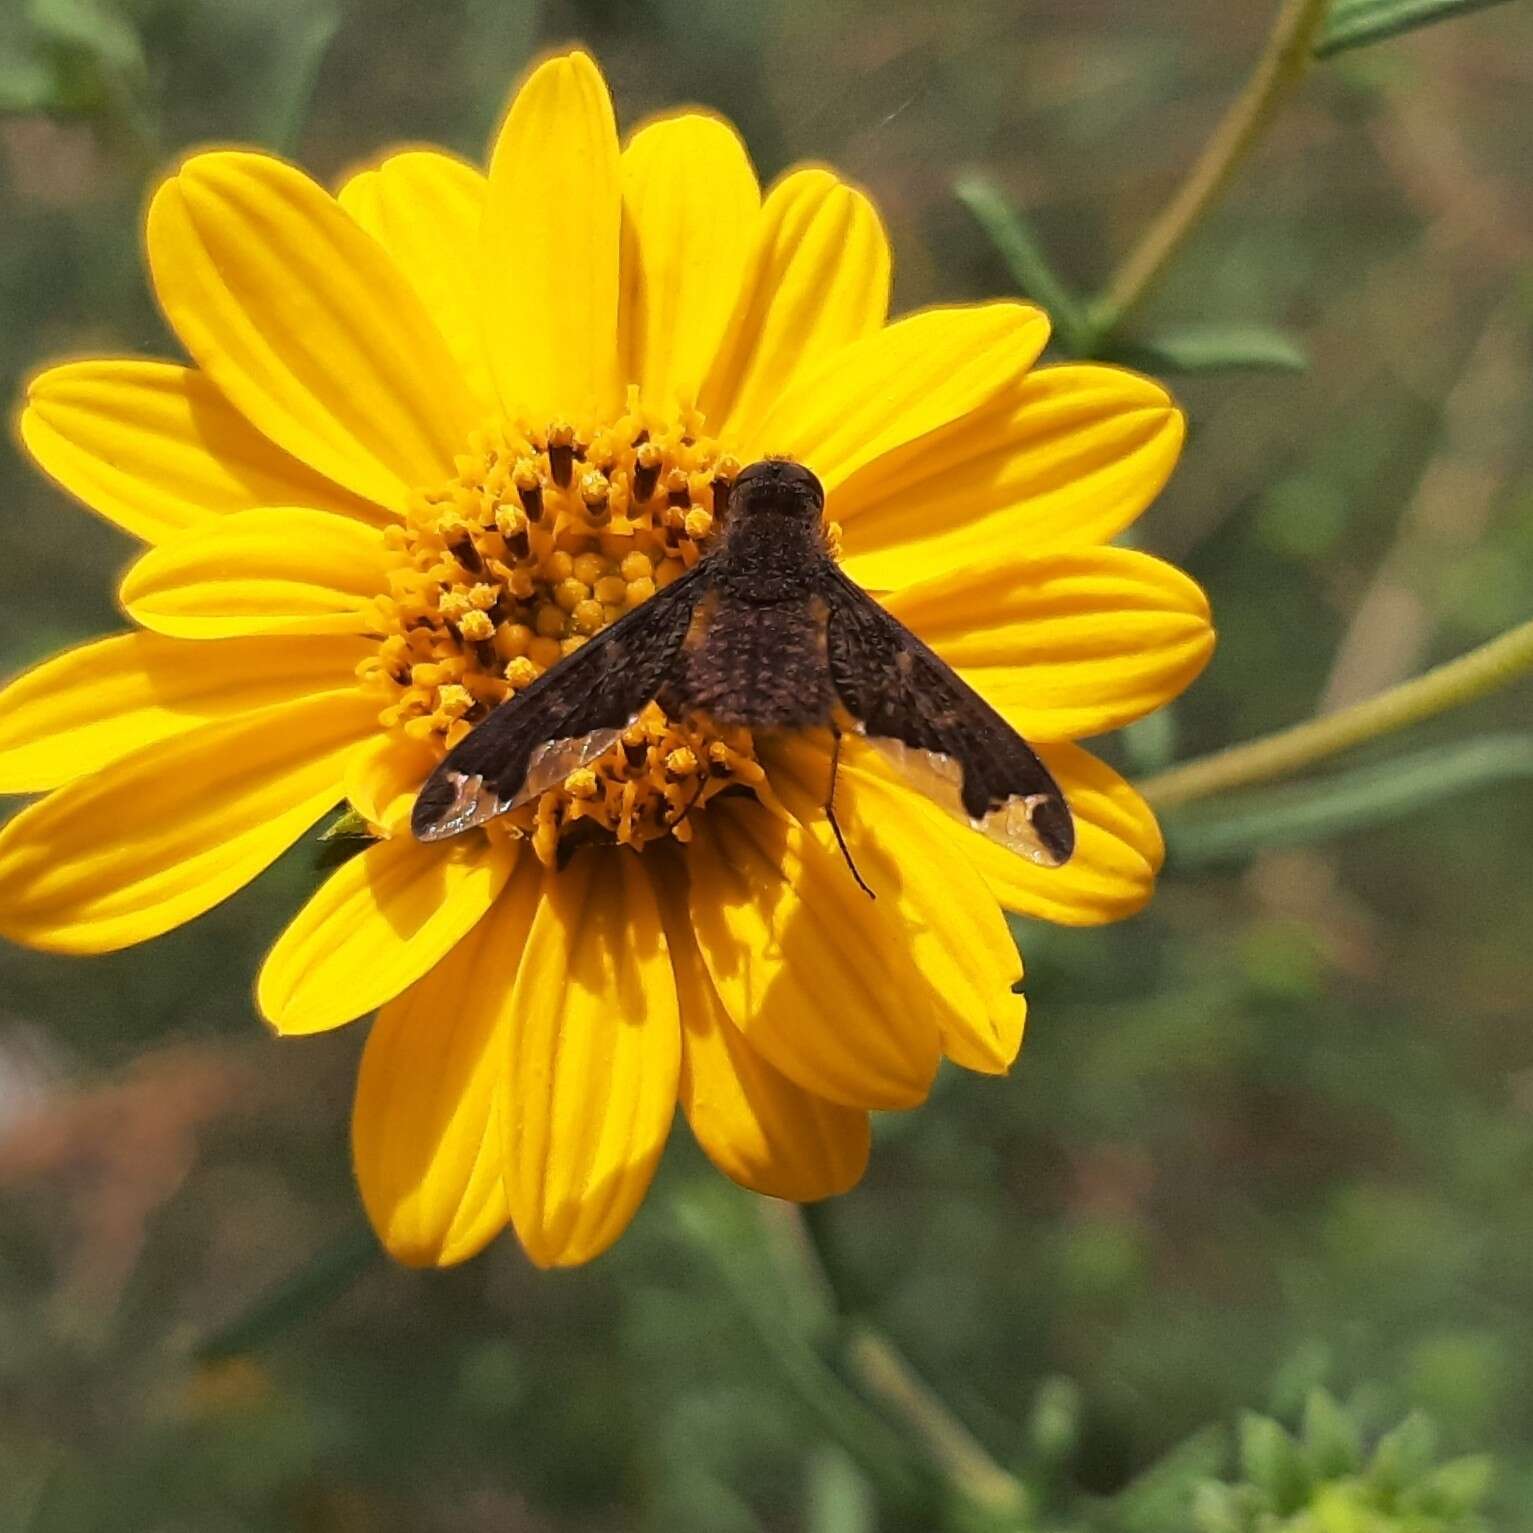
765, 631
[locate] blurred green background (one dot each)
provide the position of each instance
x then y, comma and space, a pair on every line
1277, 1133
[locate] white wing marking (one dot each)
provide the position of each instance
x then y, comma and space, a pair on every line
940, 778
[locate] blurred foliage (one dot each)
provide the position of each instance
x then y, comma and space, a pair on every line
1322, 1481
1273, 1138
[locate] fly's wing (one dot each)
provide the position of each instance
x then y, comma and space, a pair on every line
938, 731
574, 712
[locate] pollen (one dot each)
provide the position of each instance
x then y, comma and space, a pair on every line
548, 533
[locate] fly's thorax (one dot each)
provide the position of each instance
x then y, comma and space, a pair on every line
775, 540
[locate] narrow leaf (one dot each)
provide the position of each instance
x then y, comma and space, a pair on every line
1215, 348
294, 72
312, 1288
840, 1498
1019, 246
92, 29
1403, 1455
1270, 1459
1453, 1489
1422, 781
1160, 1497
1358, 23
1332, 1442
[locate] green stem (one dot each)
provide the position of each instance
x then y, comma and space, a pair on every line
882, 1374
1278, 71
1482, 670
792, 1322
908, 1399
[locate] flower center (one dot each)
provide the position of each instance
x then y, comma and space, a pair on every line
545, 536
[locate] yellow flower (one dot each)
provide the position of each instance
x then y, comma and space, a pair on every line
441, 428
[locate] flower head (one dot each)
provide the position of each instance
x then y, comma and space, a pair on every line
439, 430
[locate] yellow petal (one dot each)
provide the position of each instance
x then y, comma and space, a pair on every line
284, 570
814, 973
899, 383
376, 925
595, 1052
306, 325
817, 279
1070, 644
383, 775
690, 203
756, 1126
426, 1132
1118, 850
949, 920
152, 841
155, 448
425, 207
91, 706
550, 246
1070, 456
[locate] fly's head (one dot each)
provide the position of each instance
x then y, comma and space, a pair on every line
778, 489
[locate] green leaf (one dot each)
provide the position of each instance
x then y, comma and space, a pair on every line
1453, 1489
313, 1287
1160, 1497
1054, 1423
1358, 23
25, 86
1270, 1459
840, 1499
1403, 1455
281, 45
347, 823
1214, 348
27, 83
1423, 780
1019, 246
74, 58
293, 71
1332, 1443
1222, 1509
341, 840
92, 29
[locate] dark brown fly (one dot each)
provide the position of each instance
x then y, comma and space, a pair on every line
764, 631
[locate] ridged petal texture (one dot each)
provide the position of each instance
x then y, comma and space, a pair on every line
156, 839
815, 975
155, 448
1118, 849
91, 706
258, 572
550, 245
425, 209
900, 383
426, 1131
690, 204
306, 325
1067, 644
1065, 457
950, 922
595, 1054
380, 921
817, 278
757, 1126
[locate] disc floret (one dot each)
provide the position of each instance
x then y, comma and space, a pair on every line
544, 536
